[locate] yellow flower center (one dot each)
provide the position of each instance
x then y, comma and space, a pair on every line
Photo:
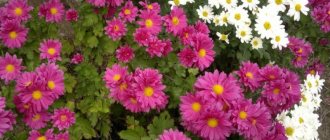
249, 1
26, 106
218, 89
267, 25
255, 43
53, 11
63, 118
116, 28
237, 16
205, 13
242, 115
133, 100
301, 120
225, 19
249, 75
116, 77
212, 122
271, 77
300, 51
224, 37
186, 35
304, 99
123, 86
12, 35
312, 72
127, 12
175, 21
243, 33
36, 95
176, 2
289, 131
277, 38
18, 11
150, 7
148, 91
149, 23
298, 7
36, 117
216, 21
42, 138
228, 1
202, 53
278, 2
10, 68
309, 84
276, 91
51, 85
51, 51
254, 121
299, 58
196, 106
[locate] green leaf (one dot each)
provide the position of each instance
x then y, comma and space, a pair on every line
133, 134
69, 82
161, 123
92, 42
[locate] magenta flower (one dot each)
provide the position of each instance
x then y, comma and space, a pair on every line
7, 120
315, 68
37, 120
10, 67
115, 3
63, 136
192, 107
142, 36
151, 21
154, 7
300, 61
156, 47
187, 57
13, 34
25, 80
203, 48
63, 118
122, 91
2, 103
71, 15
175, 21
131, 103
77, 58
271, 73
115, 29
115, 75
50, 49
185, 35
36, 135
128, 12
201, 27
125, 53
172, 135
324, 42
249, 75
25, 108
18, 10
98, 3
52, 10
167, 48
277, 132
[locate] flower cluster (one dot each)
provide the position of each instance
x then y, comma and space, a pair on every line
138, 92
301, 51
302, 122
7, 118
172, 135
321, 13
219, 108
267, 24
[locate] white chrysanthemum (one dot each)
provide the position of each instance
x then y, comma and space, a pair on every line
223, 37
282, 116
267, 10
279, 5
256, 43
292, 130
250, 4
297, 7
319, 82
205, 13
215, 3
239, 17
244, 33
313, 83
216, 20
228, 4
280, 39
267, 25
223, 18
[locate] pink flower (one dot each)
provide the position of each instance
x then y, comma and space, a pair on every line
192, 107
7, 120
63, 118
10, 67
128, 12
51, 50
37, 120
151, 21
98, 3
142, 36
176, 20
218, 86
25, 80
185, 35
167, 48
277, 132
203, 47
187, 57
156, 47
52, 10
315, 68
36, 135
271, 73
125, 53
115, 29
249, 75
131, 103
115, 75
13, 34
18, 10
123, 91
201, 27
63, 136
25, 108
172, 135
115, 2
2, 103
77, 58
154, 7
300, 61
71, 15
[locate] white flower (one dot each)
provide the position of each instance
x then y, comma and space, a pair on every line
297, 7
282, 116
223, 18
280, 39
256, 43
177, 3
239, 17
292, 130
244, 33
319, 82
251, 4
216, 20
267, 24
228, 4
279, 5
215, 3
205, 13
313, 83
223, 37
308, 100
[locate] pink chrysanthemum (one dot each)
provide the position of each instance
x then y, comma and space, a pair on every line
25, 108
51, 50
172, 135
125, 53
7, 120
63, 136
249, 75
54, 78
77, 58
37, 120
36, 135
155, 47
218, 86
52, 10
25, 80
167, 48
277, 132
10, 67
315, 68
98, 3
115, 75
192, 107
115, 3
271, 73
300, 61
129, 12
71, 15
122, 90
187, 57
149, 89
13, 34
201, 27
131, 103
142, 36
115, 29
203, 47
151, 21
176, 20
154, 7
18, 10
185, 35
63, 118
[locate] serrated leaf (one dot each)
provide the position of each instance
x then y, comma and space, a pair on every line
161, 123
133, 134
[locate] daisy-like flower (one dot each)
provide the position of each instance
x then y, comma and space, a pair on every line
115, 29
249, 75
18, 10
98, 3
176, 3
151, 21
125, 53
277, 132
223, 18
300, 61
63, 118
154, 7
13, 34
52, 10
185, 35
256, 43
115, 75
313, 83
228, 4
280, 39
172, 135
205, 13
238, 16
10, 67
25, 108
142, 36
278, 5
187, 57
201, 27
155, 47
123, 91
315, 68
219, 86
266, 25
130, 103
7, 120
63, 136
251, 4
71, 15
214, 3
244, 33
129, 12
192, 106
216, 20
37, 120
51, 50
176, 20
203, 47
292, 130
36, 135
297, 7
223, 37
271, 73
